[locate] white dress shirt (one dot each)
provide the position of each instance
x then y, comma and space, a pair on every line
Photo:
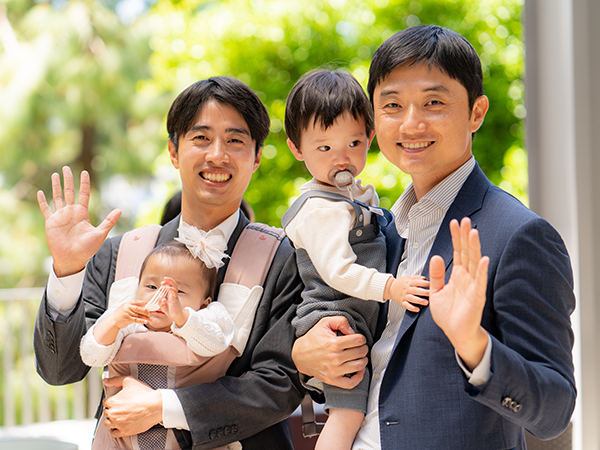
62, 295
418, 222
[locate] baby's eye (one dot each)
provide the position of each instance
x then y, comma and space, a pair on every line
324, 148
354, 143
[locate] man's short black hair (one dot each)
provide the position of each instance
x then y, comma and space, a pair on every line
228, 90
321, 96
450, 52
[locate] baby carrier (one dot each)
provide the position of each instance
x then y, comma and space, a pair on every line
163, 360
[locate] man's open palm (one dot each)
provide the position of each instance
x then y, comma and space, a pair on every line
457, 307
72, 239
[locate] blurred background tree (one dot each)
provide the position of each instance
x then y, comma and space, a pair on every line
88, 83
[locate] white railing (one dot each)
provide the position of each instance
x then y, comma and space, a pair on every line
25, 397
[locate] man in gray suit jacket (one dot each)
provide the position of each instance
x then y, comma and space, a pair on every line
491, 354
216, 132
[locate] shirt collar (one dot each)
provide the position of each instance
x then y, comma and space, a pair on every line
227, 226
442, 194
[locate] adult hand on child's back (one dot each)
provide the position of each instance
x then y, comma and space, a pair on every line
328, 356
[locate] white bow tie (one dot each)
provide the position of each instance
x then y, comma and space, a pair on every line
207, 246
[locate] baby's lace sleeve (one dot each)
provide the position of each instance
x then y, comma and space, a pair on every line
208, 331
95, 354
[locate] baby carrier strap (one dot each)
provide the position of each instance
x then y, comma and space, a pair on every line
250, 262
133, 249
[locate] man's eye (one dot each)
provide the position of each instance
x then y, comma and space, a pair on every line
392, 105
324, 148
435, 102
200, 137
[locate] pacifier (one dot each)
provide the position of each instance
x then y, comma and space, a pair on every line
344, 180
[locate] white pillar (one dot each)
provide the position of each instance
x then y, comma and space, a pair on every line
563, 124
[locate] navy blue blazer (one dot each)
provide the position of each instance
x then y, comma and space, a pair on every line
425, 400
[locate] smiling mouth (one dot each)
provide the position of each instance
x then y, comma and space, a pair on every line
415, 145
215, 177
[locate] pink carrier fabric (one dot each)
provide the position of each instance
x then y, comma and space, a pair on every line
172, 365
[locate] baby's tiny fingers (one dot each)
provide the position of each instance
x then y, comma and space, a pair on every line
416, 300
410, 307
419, 292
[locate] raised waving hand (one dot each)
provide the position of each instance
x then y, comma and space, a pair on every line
457, 307
72, 239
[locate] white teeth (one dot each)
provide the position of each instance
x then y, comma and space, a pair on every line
413, 145
216, 177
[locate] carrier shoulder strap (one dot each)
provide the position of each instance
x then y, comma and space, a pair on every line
250, 262
135, 246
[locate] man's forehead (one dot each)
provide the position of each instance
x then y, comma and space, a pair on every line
429, 79
214, 114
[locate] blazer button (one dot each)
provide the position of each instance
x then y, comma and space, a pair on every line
234, 429
227, 430
220, 432
212, 435
509, 403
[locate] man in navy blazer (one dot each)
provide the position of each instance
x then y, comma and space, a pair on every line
491, 354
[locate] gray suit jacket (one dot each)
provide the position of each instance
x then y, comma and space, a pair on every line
261, 388
425, 400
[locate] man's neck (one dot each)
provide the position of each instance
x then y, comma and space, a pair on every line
205, 219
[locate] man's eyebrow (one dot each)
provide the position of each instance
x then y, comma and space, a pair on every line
435, 88
238, 131
199, 127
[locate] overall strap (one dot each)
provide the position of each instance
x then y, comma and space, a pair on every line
135, 246
297, 205
252, 255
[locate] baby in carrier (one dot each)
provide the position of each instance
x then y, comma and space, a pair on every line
167, 334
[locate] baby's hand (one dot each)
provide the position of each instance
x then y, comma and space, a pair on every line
408, 292
128, 313
171, 305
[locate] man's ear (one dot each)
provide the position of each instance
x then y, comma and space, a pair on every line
480, 108
173, 154
295, 151
257, 158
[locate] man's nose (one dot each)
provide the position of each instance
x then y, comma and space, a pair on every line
217, 152
413, 121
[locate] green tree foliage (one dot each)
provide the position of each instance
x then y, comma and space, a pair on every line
69, 95
270, 44
79, 86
